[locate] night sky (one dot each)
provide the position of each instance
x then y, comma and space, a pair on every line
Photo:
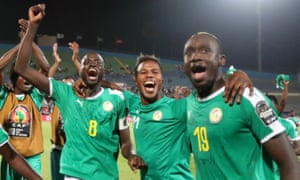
161, 27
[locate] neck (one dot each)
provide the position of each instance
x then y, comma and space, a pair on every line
146, 101
205, 91
92, 91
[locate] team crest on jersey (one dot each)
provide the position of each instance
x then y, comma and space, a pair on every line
157, 115
265, 112
19, 121
108, 106
215, 115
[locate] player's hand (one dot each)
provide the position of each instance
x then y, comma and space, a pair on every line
23, 25
235, 86
135, 163
54, 52
79, 88
36, 13
74, 46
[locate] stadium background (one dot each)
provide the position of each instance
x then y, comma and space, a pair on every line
121, 29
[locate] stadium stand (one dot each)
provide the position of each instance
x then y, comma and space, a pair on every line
173, 73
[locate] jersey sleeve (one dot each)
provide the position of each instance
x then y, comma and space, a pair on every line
263, 120
37, 97
179, 108
132, 102
121, 111
59, 90
123, 124
291, 130
3, 95
3, 136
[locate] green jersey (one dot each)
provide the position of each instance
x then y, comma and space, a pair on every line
92, 128
271, 168
159, 132
3, 136
227, 140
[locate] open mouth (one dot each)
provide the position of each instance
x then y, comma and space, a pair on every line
92, 74
198, 72
27, 84
198, 69
149, 85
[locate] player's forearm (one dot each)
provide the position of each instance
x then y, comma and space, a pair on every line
25, 49
40, 57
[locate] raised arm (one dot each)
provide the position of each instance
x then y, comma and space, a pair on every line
36, 14
41, 59
284, 96
5, 59
74, 46
57, 61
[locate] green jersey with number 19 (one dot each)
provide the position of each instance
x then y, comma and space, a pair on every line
227, 140
92, 128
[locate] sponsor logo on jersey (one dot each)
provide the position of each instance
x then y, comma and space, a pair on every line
215, 115
265, 112
157, 115
79, 102
19, 121
108, 106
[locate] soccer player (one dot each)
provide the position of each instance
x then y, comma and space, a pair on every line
227, 141
93, 133
19, 112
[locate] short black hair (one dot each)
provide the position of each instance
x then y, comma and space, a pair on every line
142, 58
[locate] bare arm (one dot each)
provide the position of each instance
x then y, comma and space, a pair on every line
125, 141
57, 61
5, 59
134, 161
283, 98
18, 163
36, 13
296, 147
280, 150
41, 59
37, 52
74, 46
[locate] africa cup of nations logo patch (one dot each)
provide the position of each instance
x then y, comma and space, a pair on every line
108, 106
215, 115
157, 115
19, 121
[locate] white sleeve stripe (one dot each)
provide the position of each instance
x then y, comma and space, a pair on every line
277, 129
4, 142
50, 87
123, 123
295, 139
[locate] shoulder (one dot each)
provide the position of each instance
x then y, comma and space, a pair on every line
258, 95
115, 92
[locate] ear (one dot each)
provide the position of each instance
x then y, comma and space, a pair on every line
222, 60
